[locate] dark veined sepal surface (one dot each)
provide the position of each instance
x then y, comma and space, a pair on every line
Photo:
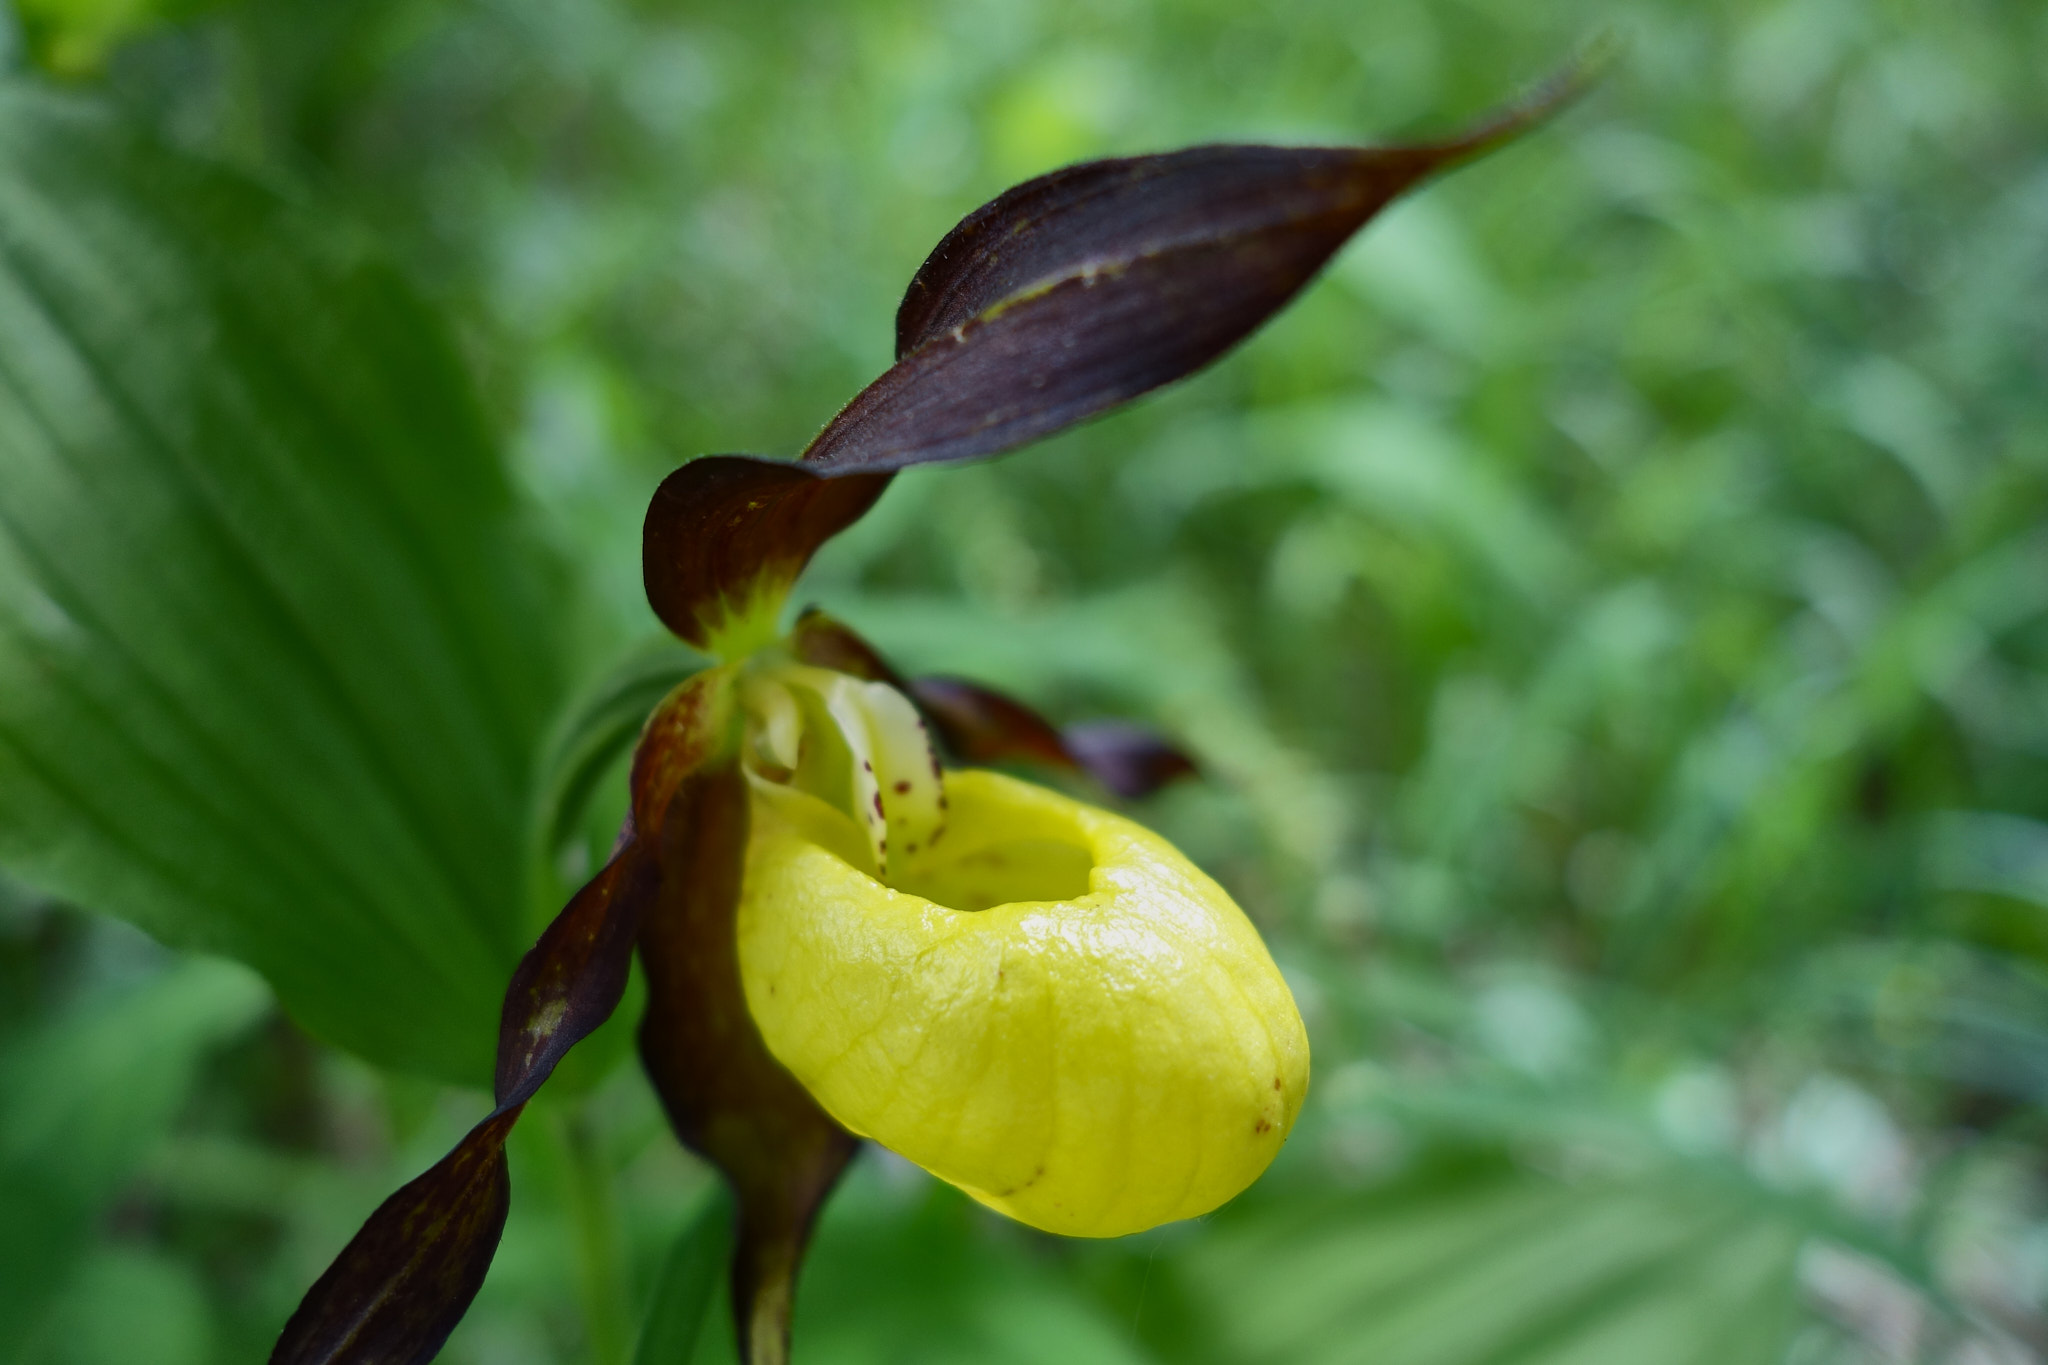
1076, 292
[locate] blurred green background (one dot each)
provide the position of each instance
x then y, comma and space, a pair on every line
1611, 607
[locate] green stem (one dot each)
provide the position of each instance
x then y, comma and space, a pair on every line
599, 1276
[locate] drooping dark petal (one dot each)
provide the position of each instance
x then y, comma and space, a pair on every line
1128, 759
981, 725
726, 536
1080, 290
403, 1282
726, 1096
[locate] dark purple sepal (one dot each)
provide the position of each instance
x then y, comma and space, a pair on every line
726, 1096
726, 536
1071, 294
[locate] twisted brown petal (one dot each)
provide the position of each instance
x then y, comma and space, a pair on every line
1128, 759
402, 1283
981, 725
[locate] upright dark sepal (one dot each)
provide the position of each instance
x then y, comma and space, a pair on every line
726, 536
726, 1096
402, 1283
1078, 291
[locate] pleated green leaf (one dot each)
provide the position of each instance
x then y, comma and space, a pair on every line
1466, 1268
687, 1290
274, 653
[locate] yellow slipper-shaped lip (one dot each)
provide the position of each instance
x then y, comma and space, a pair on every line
1055, 1010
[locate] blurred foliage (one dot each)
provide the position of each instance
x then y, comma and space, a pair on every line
1610, 606
272, 636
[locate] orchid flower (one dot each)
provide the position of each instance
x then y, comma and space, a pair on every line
1034, 998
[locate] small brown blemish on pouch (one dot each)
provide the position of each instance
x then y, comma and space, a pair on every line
910, 848
1276, 1082
878, 805
1036, 1176
902, 787
1261, 1127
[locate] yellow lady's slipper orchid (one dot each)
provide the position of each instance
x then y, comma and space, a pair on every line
1036, 1000
1046, 1004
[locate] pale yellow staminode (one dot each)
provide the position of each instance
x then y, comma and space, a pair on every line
1052, 1008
